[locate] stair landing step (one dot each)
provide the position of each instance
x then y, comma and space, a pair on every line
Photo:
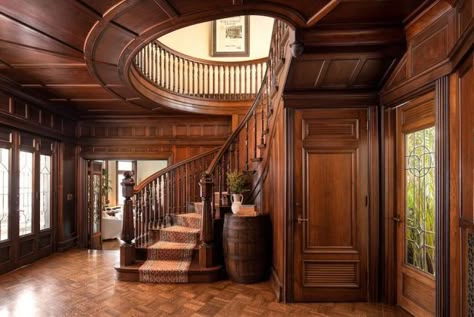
190, 215
196, 274
180, 229
172, 245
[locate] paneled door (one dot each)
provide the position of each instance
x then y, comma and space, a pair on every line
330, 205
416, 197
94, 204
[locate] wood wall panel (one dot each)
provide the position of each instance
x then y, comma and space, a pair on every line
430, 51
437, 40
17, 113
174, 138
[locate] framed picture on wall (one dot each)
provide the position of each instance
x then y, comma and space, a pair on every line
230, 37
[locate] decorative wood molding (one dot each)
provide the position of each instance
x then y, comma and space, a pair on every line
442, 242
276, 285
330, 98
35, 30
167, 8
67, 244
315, 18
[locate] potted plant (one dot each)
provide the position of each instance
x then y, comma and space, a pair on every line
236, 181
106, 188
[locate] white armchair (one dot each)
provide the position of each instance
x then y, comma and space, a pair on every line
111, 227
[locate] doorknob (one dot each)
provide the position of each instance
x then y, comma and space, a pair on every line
397, 219
301, 220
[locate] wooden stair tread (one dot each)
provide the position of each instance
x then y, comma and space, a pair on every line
190, 215
180, 229
172, 245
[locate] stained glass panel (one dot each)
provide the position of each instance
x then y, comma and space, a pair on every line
26, 193
96, 211
4, 192
45, 192
420, 199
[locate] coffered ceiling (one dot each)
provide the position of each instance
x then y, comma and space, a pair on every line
75, 54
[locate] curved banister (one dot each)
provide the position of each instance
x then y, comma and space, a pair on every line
245, 147
167, 169
231, 139
164, 194
210, 62
183, 75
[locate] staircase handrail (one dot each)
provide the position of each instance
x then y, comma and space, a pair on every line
167, 169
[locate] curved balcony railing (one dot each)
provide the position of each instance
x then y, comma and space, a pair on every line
185, 75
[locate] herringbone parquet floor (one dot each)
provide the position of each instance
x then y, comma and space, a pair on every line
83, 283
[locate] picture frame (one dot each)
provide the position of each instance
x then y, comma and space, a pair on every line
230, 37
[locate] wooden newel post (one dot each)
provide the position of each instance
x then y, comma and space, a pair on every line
206, 235
127, 249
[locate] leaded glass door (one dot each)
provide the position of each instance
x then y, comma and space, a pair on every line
94, 204
416, 219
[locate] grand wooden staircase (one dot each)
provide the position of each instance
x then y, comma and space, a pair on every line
172, 228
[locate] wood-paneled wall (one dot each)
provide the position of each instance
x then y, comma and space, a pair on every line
462, 189
24, 122
436, 41
172, 138
439, 46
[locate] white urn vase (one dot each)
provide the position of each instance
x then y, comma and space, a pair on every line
236, 203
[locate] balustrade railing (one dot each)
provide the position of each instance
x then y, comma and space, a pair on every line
244, 149
168, 192
153, 203
185, 75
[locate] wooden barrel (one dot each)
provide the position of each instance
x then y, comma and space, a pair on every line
246, 248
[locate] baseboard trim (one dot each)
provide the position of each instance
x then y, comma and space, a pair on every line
64, 245
277, 287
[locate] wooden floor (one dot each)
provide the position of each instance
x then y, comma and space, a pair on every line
83, 283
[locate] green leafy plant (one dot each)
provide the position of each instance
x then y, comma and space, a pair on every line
236, 181
106, 188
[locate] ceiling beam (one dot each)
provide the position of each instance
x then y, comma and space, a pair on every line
30, 28
318, 16
167, 8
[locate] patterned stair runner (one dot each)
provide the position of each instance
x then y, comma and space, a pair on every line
168, 260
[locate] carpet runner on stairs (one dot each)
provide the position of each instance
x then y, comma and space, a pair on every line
168, 260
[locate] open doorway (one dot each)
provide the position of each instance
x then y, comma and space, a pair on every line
105, 200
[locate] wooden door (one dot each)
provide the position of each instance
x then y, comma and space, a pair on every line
330, 205
416, 206
94, 204
27, 204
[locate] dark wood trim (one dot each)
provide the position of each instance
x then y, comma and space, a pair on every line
315, 18
30, 28
65, 245
442, 197
388, 185
276, 285
349, 37
288, 218
327, 98
374, 204
11, 88
167, 8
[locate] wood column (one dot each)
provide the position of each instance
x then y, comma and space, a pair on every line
127, 248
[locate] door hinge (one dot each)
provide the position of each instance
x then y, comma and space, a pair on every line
366, 200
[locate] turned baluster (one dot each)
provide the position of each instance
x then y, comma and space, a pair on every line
247, 145
154, 205
255, 120
160, 204
262, 128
